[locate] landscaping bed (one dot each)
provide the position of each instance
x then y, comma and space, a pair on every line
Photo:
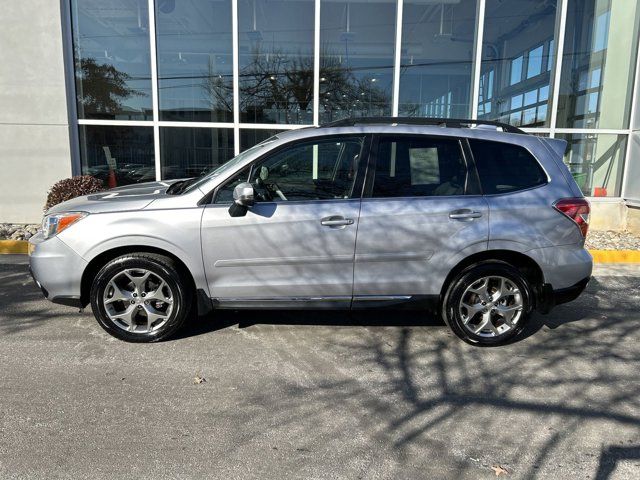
610, 240
15, 231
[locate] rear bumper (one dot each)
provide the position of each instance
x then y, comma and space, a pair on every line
563, 266
56, 269
565, 295
548, 297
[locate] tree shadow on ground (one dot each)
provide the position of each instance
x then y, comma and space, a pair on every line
389, 317
611, 456
22, 305
524, 405
221, 319
570, 387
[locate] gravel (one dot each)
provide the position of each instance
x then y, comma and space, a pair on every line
596, 240
17, 231
611, 240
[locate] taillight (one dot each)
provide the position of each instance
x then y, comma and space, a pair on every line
577, 209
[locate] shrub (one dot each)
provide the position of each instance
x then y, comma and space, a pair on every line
71, 188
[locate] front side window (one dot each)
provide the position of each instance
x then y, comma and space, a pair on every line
419, 167
505, 168
320, 170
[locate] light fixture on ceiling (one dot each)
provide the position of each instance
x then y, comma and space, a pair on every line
444, 33
255, 35
347, 35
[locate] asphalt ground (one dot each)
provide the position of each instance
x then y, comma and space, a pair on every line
380, 394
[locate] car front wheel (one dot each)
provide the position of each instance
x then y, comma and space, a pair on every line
488, 304
140, 297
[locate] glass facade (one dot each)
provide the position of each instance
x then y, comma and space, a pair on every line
112, 62
596, 161
252, 136
195, 60
600, 46
191, 152
357, 41
169, 89
117, 155
275, 58
436, 70
517, 60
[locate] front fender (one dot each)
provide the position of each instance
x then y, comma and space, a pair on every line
174, 231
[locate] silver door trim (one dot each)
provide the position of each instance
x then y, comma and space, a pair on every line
393, 256
284, 299
380, 298
261, 262
330, 302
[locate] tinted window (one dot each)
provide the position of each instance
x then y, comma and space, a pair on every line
322, 170
225, 193
419, 167
505, 168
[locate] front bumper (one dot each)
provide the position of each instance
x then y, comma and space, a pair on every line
56, 269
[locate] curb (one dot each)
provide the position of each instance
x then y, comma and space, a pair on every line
615, 256
599, 256
14, 246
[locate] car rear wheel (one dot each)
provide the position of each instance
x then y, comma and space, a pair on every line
141, 297
488, 304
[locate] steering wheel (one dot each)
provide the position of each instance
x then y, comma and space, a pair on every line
271, 189
265, 194
277, 191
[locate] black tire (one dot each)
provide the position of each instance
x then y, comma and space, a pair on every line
468, 278
161, 267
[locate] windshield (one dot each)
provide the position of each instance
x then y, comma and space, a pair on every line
230, 165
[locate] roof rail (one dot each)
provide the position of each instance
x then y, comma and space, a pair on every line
439, 122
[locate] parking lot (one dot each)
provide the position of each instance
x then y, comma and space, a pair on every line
380, 394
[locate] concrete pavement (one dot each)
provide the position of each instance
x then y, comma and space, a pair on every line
321, 394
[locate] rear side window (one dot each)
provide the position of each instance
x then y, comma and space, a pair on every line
504, 167
419, 167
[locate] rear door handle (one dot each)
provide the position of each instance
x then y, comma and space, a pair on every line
464, 214
336, 221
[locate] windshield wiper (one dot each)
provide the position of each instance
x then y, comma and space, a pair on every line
179, 187
174, 187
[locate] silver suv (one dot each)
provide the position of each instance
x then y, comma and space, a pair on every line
475, 221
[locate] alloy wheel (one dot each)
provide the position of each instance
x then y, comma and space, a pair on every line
138, 300
491, 306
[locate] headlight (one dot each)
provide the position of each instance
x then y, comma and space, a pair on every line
56, 223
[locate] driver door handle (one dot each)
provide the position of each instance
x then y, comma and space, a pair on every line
464, 214
336, 221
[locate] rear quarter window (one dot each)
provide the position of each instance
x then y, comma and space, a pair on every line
505, 168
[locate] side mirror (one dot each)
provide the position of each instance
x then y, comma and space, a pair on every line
243, 198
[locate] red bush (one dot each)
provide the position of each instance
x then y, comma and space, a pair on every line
71, 188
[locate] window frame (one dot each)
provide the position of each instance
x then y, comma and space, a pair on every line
471, 186
358, 186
